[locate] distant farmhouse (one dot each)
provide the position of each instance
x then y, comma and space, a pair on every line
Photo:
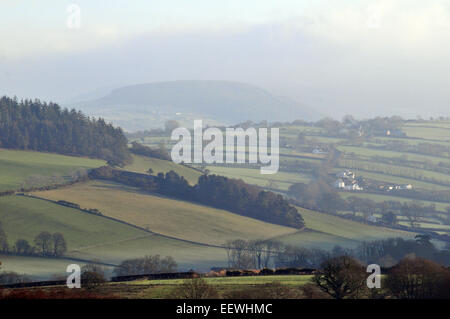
395, 133
347, 174
318, 150
346, 181
372, 219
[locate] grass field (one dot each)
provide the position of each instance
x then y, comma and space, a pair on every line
280, 180
40, 268
166, 216
184, 220
325, 231
381, 198
429, 133
365, 152
290, 280
160, 289
16, 166
94, 237
141, 164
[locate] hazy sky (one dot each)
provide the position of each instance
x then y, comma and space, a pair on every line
359, 57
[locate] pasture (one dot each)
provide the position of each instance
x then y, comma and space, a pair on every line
17, 166
141, 164
170, 217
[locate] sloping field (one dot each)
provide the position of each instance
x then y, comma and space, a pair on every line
381, 198
141, 164
314, 239
165, 216
325, 231
187, 255
281, 180
94, 237
348, 229
429, 133
16, 166
36, 267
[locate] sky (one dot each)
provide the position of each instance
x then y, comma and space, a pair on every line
364, 58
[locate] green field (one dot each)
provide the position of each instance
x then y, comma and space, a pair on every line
381, 198
141, 164
183, 220
157, 289
290, 280
94, 237
364, 152
39, 268
280, 180
166, 216
16, 166
325, 231
429, 133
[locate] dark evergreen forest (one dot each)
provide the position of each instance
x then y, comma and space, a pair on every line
46, 127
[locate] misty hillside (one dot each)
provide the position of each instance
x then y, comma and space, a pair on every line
138, 107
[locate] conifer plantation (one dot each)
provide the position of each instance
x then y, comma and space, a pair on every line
46, 127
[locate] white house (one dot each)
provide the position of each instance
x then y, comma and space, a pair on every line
339, 184
353, 187
372, 219
346, 174
319, 151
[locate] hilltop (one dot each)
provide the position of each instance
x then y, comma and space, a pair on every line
142, 106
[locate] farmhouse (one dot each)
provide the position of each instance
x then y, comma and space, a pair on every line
347, 185
347, 174
339, 183
372, 219
318, 150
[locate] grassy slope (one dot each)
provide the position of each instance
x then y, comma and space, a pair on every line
382, 198
36, 267
95, 237
326, 231
166, 216
282, 180
24, 217
141, 164
16, 166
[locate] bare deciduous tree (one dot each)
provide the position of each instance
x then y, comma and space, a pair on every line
341, 277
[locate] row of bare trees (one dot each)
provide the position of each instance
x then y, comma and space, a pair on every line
45, 244
256, 254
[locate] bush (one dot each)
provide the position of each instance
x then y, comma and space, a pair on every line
92, 276
341, 277
418, 278
196, 288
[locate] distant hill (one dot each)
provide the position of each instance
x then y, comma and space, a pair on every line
142, 106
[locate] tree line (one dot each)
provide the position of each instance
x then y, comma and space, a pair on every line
45, 245
259, 254
213, 190
161, 152
40, 126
